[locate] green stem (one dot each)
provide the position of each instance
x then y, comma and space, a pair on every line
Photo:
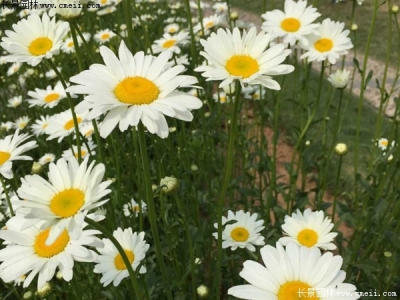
121, 251
7, 197
190, 244
151, 206
336, 188
71, 106
128, 20
225, 184
193, 61
76, 44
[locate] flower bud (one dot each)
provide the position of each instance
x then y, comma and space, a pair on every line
341, 149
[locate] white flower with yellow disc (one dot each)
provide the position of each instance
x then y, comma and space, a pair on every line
309, 229
49, 97
329, 42
244, 233
34, 38
64, 200
294, 273
293, 24
134, 88
27, 252
243, 57
110, 263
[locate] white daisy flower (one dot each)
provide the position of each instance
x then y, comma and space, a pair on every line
107, 10
339, 79
293, 24
14, 101
170, 42
292, 274
51, 74
47, 158
64, 200
209, 23
49, 97
11, 149
110, 262
171, 28
87, 129
309, 229
133, 207
27, 252
132, 89
40, 125
14, 68
245, 58
220, 7
7, 126
67, 9
21, 122
329, 41
383, 144
221, 97
244, 233
103, 36
62, 124
85, 151
68, 46
34, 39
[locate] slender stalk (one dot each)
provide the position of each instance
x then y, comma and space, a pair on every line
76, 44
225, 184
151, 206
71, 106
336, 188
193, 61
7, 196
128, 19
190, 245
121, 251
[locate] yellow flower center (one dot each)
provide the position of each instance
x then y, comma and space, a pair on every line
307, 237
296, 290
105, 36
242, 65
103, 2
384, 143
4, 156
67, 203
89, 132
222, 99
45, 125
240, 234
51, 97
42, 250
169, 43
119, 262
209, 24
40, 46
323, 45
290, 24
172, 30
135, 208
136, 91
70, 44
83, 153
70, 124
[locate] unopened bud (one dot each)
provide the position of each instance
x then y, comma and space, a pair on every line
234, 16
354, 27
341, 149
395, 9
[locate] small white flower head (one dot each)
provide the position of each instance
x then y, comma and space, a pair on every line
309, 229
202, 291
341, 149
383, 144
110, 263
339, 79
85, 151
14, 68
37, 168
104, 36
21, 122
40, 125
170, 42
11, 149
168, 184
44, 290
360, 2
133, 208
293, 24
7, 126
209, 23
244, 233
221, 97
234, 16
172, 28
50, 97
14, 101
328, 42
61, 125
220, 8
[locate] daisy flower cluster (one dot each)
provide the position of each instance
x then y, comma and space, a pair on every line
320, 41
